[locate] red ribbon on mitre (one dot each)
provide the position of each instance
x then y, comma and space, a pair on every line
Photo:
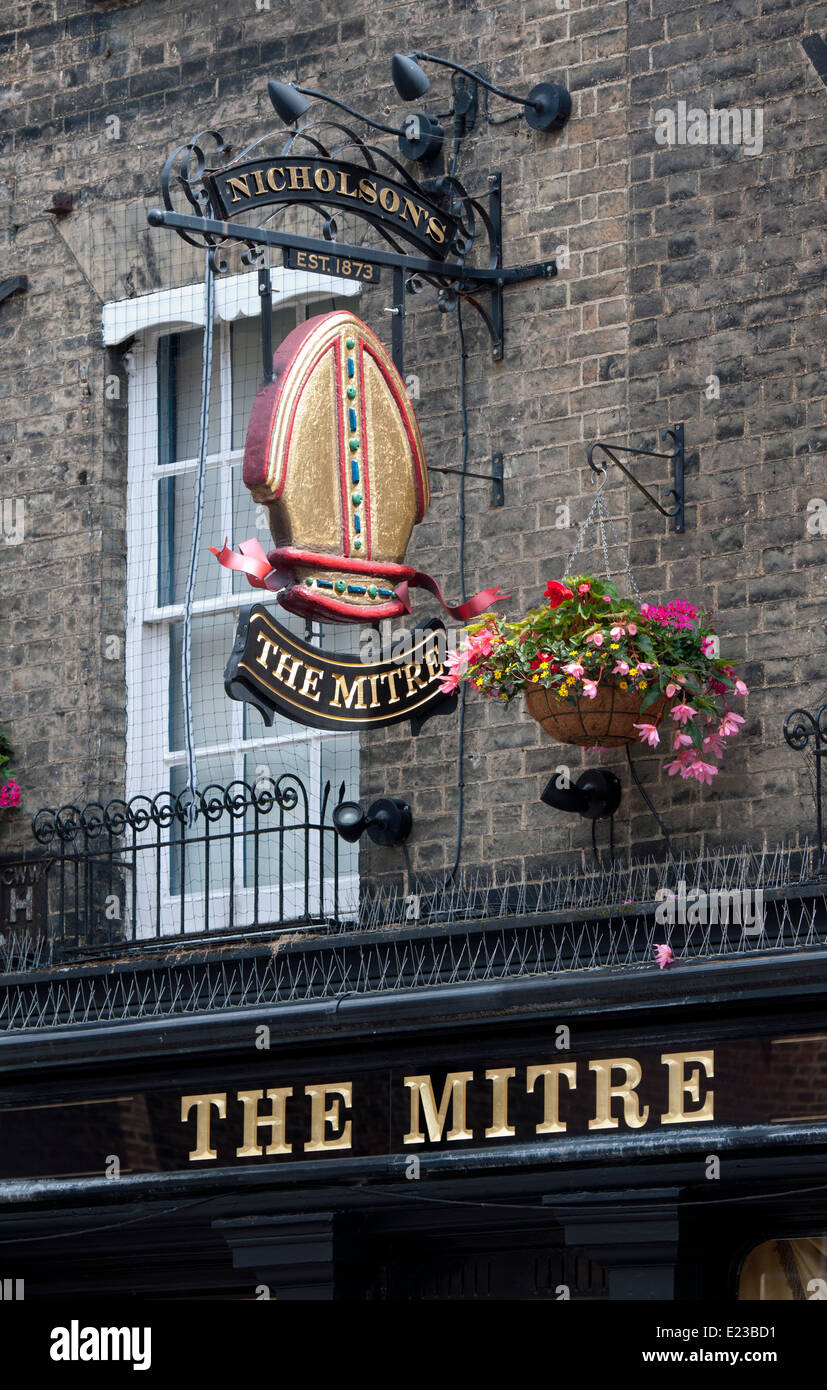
472, 607
251, 560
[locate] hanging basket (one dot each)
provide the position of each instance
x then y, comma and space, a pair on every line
607, 720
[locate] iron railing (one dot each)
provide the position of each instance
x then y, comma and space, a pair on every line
231, 859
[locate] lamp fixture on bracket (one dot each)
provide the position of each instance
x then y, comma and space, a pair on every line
420, 136
547, 104
388, 821
595, 795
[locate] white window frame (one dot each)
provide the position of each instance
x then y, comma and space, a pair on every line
148, 319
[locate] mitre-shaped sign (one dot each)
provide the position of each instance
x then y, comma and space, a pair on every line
333, 451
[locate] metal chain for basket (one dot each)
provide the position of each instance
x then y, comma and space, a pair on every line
604, 520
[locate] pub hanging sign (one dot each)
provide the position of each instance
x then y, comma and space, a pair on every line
278, 673
402, 208
334, 455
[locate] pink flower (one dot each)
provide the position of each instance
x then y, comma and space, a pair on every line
645, 666
573, 668
678, 614
606, 598
632, 630
715, 744
708, 645
9, 795
682, 740
665, 955
481, 644
620, 668
596, 638
583, 588
617, 631
682, 713
740, 688
590, 689
681, 763
649, 734
456, 665
702, 772
672, 689
730, 724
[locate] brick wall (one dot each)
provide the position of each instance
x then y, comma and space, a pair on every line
685, 263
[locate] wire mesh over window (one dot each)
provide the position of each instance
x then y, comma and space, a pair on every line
218, 866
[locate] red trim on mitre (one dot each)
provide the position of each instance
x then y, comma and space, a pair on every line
308, 605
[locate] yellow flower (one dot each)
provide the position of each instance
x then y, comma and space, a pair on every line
497, 675
615, 646
624, 685
535, 678
642, 685
633, 670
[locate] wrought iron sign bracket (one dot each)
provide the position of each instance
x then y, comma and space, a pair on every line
496, 477
799, 727
430, 227
677, 492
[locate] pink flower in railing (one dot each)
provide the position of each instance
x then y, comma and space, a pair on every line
681, 740
590, 689
665, 956
620, 668
740, 688
730, 724
617, 631
648, 734
646, 666
672, 689
682, 713
573, 668
9, 795
632, 630
596, 638
583, 588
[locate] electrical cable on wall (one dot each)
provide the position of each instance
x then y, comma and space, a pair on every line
463, 592
203, 427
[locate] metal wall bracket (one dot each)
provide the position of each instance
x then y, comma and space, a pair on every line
12, 285
495, 477
799, 727
676, 492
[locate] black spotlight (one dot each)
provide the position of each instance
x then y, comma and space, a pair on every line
388, 821
408, 78
288, 101
595, 795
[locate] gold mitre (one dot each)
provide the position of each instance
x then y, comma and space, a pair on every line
333, 450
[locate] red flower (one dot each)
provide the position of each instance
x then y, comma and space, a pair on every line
557, 593
540, 658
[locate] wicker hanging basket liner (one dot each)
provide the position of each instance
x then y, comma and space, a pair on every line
608, 719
